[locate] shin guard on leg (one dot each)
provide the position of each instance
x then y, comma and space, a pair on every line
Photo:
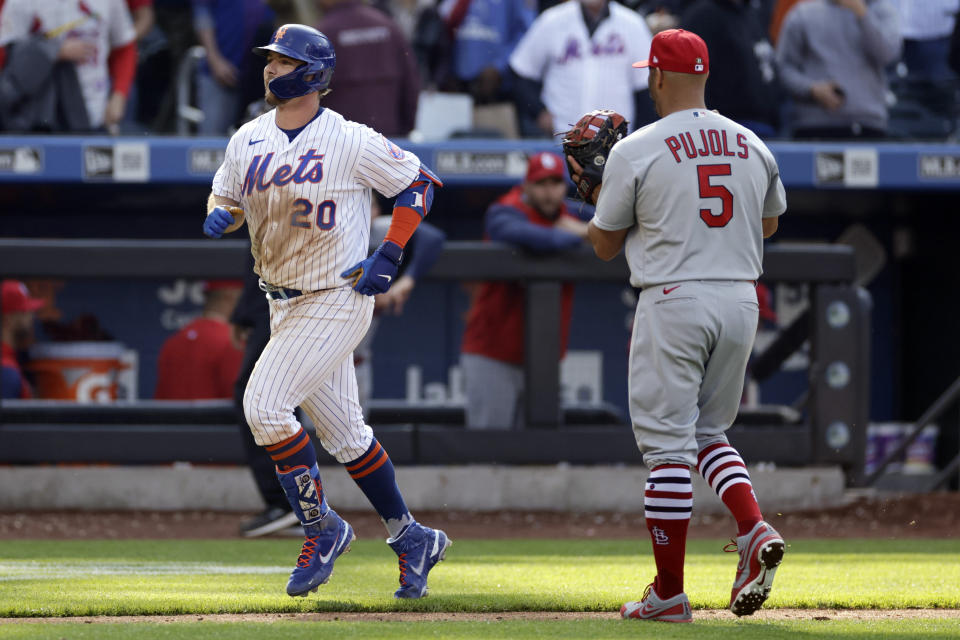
297, 470
304, 493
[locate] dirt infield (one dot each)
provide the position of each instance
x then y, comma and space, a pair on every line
913, 516
413, 616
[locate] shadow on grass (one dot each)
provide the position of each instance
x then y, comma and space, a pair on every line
493, 628
596, 551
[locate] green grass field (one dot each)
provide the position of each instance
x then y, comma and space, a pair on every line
521, 629
96, 578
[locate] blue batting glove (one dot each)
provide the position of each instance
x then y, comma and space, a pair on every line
217, 222
375, 274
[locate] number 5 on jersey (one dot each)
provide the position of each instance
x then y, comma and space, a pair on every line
326, 214
710, 190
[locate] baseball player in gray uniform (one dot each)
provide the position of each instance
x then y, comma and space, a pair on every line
691, 198
300, 176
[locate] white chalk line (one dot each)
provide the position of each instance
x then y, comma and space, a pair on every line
78, 570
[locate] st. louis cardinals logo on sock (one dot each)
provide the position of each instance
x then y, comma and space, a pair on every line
660, 536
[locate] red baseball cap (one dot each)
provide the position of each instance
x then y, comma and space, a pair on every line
677, 50
544, 165
16, 298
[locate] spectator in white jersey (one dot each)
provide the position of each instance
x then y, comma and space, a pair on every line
576, 57
96, 37
833, 56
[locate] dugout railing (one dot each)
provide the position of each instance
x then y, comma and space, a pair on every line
921, 483
829, 428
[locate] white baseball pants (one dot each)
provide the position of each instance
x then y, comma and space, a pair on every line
309, 363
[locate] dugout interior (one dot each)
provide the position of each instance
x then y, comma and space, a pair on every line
877, 349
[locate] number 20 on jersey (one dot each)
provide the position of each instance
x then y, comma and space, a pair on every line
326, 214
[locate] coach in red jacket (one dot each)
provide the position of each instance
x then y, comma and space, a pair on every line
200, 362
16, 334
531, 216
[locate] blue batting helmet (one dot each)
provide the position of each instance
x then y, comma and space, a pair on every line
303, 43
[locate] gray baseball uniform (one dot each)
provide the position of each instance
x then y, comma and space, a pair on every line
692, 188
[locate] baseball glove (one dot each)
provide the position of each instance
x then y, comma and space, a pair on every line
589, 143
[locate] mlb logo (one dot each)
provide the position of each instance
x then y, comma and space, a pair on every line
699, 65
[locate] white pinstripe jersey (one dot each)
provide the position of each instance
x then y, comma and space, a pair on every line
307, 201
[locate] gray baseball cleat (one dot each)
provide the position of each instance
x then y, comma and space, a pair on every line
652, 607
761, 552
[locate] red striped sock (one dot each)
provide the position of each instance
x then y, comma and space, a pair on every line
723, 469
668, 501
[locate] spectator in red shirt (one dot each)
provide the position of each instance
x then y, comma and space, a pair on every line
532, 216
200, 361
16, 332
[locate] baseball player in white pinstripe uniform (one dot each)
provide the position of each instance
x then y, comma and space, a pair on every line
690, 199
300, 176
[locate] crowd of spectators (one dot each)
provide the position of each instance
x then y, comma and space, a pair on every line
785, 68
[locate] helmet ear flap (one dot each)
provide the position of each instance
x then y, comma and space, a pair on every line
301, 81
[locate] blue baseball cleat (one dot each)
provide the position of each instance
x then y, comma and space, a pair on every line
325, 541
419, 549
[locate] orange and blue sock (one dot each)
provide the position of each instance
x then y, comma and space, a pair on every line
374, 474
